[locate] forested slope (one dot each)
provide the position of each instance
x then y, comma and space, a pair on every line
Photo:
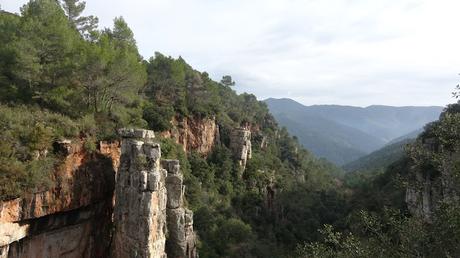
63, 78
379, 159
409, 210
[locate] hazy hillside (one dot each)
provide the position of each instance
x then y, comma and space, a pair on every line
344, 133
338, 143
411, 135
379, 159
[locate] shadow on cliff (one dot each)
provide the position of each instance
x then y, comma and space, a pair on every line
95, 179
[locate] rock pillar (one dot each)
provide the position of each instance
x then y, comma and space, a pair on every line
240, 144
140, 198
181, 242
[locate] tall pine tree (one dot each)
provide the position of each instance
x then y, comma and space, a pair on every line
86, 25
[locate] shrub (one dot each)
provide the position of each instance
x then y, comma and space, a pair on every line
158, 117
26, 164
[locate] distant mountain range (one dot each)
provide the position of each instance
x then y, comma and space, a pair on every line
343, 134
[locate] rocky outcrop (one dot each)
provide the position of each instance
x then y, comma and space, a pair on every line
140, 198
72, 218
181, 240
432, 179
197, 134
80, 180
240, 144
149, 202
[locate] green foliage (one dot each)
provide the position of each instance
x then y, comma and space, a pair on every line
119, 72
158, 117
381, 158
335, 245
50, 63
26, 161
90, 145
86, 25
227, 81
219, 196
378, 223
41, 51
391, 234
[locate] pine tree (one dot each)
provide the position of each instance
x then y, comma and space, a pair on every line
227, 81
86, 25
123, 35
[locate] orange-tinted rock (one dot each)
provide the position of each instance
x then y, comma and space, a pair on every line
195, 134
111, 150
81, 181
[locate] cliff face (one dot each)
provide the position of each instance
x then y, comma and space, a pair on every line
432, 183
149, 203
195, 134
73, 218
201, 135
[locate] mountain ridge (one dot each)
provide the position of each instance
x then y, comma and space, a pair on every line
346, 133
351, 106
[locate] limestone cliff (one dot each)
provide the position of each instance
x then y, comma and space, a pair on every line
198, 134
202, 134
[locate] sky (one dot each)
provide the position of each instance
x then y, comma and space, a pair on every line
348, 52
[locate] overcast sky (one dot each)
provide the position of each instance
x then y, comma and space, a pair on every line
352, 52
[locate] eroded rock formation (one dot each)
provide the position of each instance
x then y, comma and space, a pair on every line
240, 144
181, 240
140, 198
149, 202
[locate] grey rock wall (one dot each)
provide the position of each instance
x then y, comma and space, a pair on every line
181, 242
149, 215
140, 198
240, 144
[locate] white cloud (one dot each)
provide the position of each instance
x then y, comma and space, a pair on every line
355, 52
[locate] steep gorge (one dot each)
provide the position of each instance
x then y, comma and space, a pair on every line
118, 201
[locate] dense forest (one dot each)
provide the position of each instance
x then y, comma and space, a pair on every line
61, 77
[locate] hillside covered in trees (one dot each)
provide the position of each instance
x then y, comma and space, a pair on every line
63, 78
411, 209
